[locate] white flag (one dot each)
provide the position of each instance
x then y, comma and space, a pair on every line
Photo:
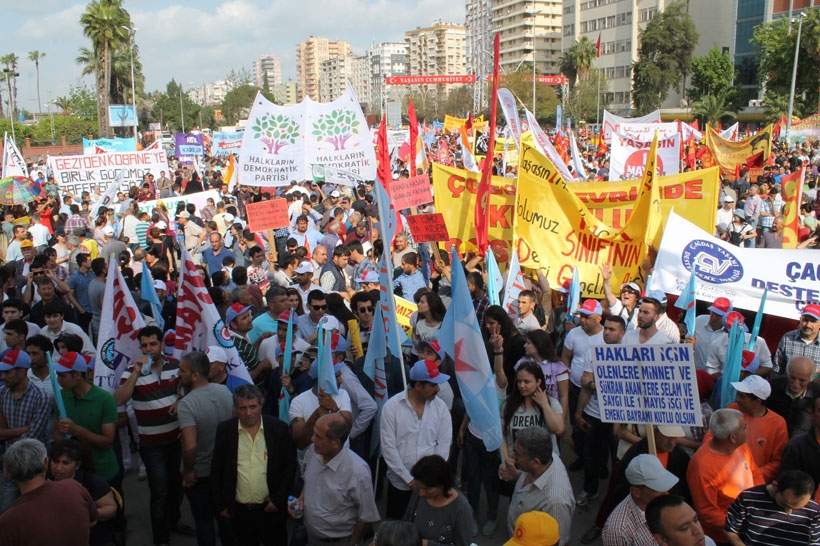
543, 144
580, 173
198, 322
109, 197
118, 343
13, 162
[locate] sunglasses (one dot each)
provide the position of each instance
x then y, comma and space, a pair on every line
365, 309
319, 307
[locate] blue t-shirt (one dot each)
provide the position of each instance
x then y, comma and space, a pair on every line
79, 283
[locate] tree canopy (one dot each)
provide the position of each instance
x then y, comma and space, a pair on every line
577, 60
237, 102
715, 74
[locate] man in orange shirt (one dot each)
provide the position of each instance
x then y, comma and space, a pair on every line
721, 469
767, 433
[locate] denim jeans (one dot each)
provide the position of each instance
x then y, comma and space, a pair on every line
482, 468
202, 507
165, 484
599, 445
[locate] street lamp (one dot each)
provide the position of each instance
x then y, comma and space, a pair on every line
794, 76
131, 32
10, 73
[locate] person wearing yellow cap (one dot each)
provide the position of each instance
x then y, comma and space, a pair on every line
535, 529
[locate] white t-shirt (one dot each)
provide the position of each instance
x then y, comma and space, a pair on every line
303, 406
632, 337
40, 234
531, 417
579, 343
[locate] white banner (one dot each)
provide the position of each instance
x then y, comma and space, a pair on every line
730, 133
611, 122
628, 156
542, 144
646, 131
739, 274
687, 130
281, 142
13, 162
79, 173
117, 345
506, 100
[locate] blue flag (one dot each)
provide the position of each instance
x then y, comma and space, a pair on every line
732, 365
687, 302
375, 357
574, 296
758, 319
326, 375
149, 293
515, 284
460, 337
494, 279
284, 395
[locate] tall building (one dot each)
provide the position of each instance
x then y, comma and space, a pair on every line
285, 93
528, 28
436, 50
619, 25
309, 57
387, 59
267, 65
210, 94
750, 14
334, 73
479, 46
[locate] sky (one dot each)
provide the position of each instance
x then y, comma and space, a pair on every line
199, 41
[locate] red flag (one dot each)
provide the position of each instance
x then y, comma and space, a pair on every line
694, 125
383, 157
756, 161
602, 151
598, 46
737, 171
414, 134
482, 209
691, 147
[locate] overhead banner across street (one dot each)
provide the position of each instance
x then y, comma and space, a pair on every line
78, 173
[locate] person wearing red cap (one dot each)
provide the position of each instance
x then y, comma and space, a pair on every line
801, 342
707, 328
720, 346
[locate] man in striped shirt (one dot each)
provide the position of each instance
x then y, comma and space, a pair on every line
153, 391
781, 512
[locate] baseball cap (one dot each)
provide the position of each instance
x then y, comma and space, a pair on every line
754, 384
284, 316
728, 199
632, 286
184, 214
77, 231
169, 340
14, 358
228, 217
434, 345
535, 528
749, 361
108, 231
338, 344
26, 244
564, 288
160, 285
671, 431
368, 276
314, 368
427, 370
89, 361
216, 354
647, 470
730, 319
71, 362
234, 311
590, 307
721, 306
304, 267
335, 193
161, 225
329, 322
812, 309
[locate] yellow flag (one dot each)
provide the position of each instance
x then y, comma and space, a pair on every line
229, 172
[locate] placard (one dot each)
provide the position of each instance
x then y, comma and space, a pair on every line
647, 384
411, 192
78, 173
266, 215
428, 227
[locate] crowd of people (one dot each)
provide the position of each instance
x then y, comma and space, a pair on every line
190, 428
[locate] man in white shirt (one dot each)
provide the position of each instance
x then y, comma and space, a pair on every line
414, 423
707, 329
526, 321
723, 217
647, 332
39, 234
55, 325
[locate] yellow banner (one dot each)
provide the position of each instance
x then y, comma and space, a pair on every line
693, 195
730, 154
454, 124
556, 231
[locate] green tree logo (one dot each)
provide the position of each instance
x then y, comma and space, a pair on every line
336, 127
276, 132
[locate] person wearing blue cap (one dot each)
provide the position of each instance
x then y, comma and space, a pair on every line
91, 416
239, 320
24, 410
414, 423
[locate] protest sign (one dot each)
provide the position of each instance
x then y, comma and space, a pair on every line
281, 142
646, 131
629, 156
612, 122
226, 142
739, 274
556, 231
266, 215
333, 175
404, 310
79, 173
411, 192
199, 199
116, 144
13, 162
428, 227
805, 130
647, 384
729, 154
189, 146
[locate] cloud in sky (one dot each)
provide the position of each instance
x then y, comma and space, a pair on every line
199, 41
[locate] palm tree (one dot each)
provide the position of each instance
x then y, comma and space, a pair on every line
577, 60
776, 105
36, 56
712, 109
11, 61
106, 23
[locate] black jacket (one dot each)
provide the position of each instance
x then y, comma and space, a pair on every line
803, 453
797, 413
281, 463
